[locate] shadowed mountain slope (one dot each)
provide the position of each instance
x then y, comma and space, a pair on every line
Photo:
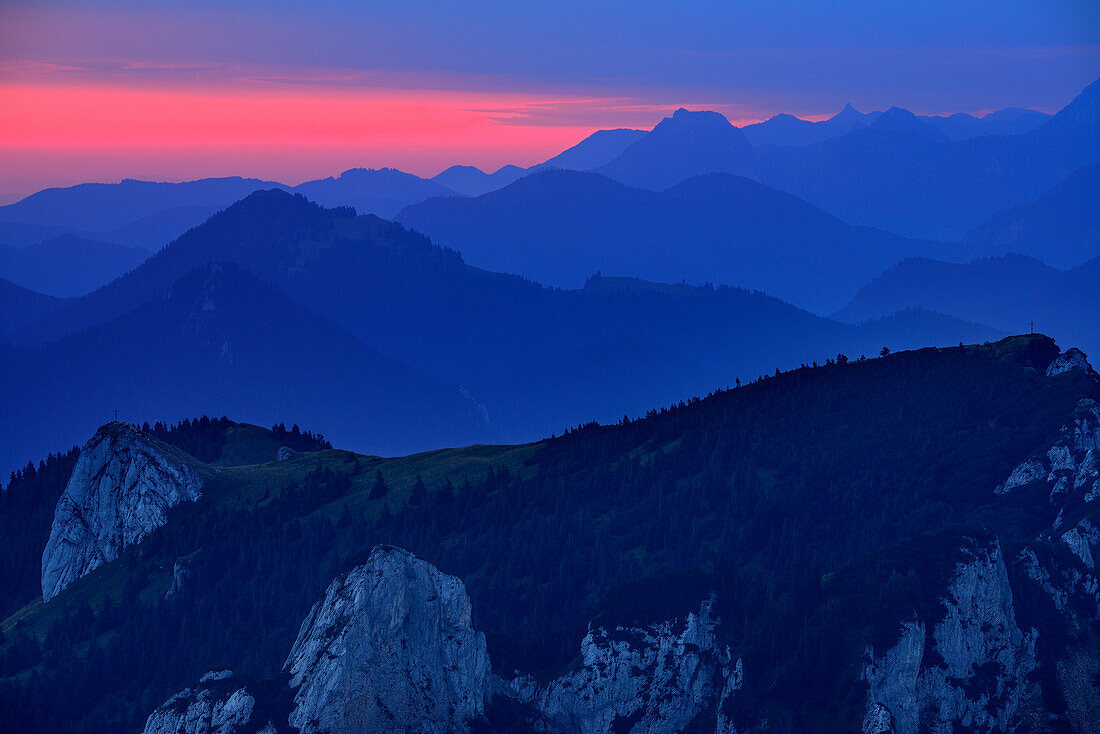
67, 265
906, 176
21, 306
220, 337
559, 227
1061, 227
1008, 292
536, 359
684, 145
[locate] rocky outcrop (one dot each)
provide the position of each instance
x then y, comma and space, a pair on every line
285, 453
181, 570
1068, 361
215, 706
390, 648
735, 680
971, 673
647, 678
121, 489
1071, 467
1082, 539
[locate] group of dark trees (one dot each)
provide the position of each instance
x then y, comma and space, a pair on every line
26, 512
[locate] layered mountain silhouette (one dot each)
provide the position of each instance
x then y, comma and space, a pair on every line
558, 227
150, 214
601, 147
67, 265
1011, 292
1008, 121
472, 181
535, 360
788, 130
595, 150
927, 176
101, 207
383, 191
220, 337
903, 175
1061, 227
684, 145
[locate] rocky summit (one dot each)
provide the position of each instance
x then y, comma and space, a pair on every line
121, 488
390, 648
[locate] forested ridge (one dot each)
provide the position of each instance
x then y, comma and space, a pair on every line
815, 503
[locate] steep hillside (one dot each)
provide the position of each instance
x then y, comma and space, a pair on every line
221, 340
802, 544
601, 147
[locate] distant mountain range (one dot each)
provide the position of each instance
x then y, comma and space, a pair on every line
67, 265
384, 191
928, 177
905, 176
679, 147
559, 227
1011, 293
788, 130
149, 214
599, 148
472, 181
1061, 227
535, 359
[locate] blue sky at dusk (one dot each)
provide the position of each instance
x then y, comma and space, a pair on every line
90, 89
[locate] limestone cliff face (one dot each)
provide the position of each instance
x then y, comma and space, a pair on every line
643, 679
1068, 361
390, 648
971, 672
1071, 467
121, 488
215, 706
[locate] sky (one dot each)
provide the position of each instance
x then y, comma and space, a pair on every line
99, 91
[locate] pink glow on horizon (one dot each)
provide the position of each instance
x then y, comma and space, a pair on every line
192, 132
